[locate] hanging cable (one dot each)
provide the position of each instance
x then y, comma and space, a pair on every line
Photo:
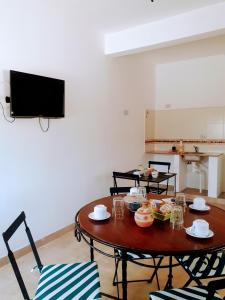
3, 111
44, 130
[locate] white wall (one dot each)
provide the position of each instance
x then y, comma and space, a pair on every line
197, 82
51, 175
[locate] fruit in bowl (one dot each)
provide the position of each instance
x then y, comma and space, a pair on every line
161, 210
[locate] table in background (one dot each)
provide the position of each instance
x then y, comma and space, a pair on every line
163, 176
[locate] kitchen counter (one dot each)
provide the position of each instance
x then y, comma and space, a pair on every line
180, 162
204, 154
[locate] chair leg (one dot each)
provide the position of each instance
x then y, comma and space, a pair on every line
116, 282
155, 272
187, 283
115, 277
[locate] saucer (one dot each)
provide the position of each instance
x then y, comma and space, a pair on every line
92, 217
206, 208
190, 232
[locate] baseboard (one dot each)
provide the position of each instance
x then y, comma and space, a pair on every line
21, 252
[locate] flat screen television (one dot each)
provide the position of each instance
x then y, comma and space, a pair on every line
36, 96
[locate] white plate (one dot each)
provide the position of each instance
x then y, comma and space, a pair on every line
190, 232
92, 217
206, 208
168, 200
139, 173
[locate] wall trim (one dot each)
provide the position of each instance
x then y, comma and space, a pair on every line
45, 240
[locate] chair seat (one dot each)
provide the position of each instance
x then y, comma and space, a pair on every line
212, 264
69, 281
132, 255
188, 293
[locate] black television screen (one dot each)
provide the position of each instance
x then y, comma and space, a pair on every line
36, 96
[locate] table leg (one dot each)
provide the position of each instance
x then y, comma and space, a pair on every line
124, 274
170, 275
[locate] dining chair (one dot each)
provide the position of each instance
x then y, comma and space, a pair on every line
205, 266
132, 256
57, 281
159, 188
129, 176
203, 292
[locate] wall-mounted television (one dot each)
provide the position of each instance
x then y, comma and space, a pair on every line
36, 96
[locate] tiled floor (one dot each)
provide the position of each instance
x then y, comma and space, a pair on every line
204, 192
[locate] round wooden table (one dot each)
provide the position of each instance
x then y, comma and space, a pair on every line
157, 239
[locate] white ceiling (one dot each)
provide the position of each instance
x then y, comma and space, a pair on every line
114, 15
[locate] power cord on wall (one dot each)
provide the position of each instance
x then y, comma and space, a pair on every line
3, 111
46, 129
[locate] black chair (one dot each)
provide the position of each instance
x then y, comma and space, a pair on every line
128, 176
57, 281
190, 293
119, 190
159, 189
206, 266
132, 256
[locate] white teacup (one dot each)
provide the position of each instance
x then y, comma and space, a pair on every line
200, 227
100, 211
199, 203
155, 174
134, 191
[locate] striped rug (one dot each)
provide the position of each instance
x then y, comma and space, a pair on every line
188, 293
69, 281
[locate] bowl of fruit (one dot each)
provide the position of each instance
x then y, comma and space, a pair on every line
161, 210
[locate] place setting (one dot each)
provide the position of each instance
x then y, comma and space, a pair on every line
100, 213
199, 204
200, 229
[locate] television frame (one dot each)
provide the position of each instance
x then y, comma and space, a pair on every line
45, 90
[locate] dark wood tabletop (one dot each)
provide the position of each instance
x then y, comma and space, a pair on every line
160, 238
161, 177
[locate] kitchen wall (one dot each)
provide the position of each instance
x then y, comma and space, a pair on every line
189, 98
51, 175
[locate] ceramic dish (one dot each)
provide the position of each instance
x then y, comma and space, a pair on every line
161, 217
190, 232
92, 217
206, 208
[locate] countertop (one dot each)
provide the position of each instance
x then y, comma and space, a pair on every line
169, 152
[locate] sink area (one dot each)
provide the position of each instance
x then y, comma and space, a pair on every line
192, 156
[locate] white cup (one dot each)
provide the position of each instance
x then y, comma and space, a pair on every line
200, 227
155, 174
100, 211
134, 191
199, 203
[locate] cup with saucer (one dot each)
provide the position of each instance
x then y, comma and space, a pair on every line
200, 228
100, 213
199, 203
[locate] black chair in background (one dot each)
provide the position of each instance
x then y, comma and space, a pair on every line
159, 188
120, 175
132, 256
75, 281
119, 190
